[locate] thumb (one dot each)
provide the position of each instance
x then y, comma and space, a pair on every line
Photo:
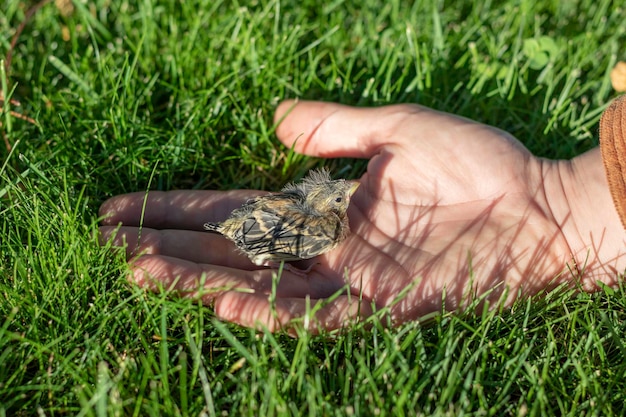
333, 130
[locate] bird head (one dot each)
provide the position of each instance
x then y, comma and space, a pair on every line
323, 194
331, 196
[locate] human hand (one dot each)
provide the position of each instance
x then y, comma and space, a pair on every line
447, 208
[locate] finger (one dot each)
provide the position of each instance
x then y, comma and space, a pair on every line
335, 130
314, 315
199, 247
181, 209
190, 279
326, 129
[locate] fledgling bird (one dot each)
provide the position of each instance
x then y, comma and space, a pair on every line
302, 221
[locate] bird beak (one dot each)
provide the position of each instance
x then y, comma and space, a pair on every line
352, 189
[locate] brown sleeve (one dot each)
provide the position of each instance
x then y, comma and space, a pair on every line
613, 149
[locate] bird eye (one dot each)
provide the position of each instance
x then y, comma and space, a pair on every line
338, 200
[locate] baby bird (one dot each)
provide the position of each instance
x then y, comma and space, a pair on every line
304, 220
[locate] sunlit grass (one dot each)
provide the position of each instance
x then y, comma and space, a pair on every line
126, 96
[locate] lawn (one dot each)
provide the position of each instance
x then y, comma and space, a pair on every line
121, 96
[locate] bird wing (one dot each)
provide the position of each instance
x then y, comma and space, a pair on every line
285, 235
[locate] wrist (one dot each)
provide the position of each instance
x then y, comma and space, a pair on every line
581, 203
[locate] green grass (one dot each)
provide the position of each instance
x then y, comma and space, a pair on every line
174, 94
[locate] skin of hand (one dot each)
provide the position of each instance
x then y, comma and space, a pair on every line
448, 209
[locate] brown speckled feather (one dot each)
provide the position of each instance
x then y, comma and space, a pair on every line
303, 221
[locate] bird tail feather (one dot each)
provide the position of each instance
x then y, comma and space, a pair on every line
212, 227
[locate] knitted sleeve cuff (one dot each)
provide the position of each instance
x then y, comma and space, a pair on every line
613, 149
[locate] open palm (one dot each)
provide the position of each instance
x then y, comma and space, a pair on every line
448, 209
